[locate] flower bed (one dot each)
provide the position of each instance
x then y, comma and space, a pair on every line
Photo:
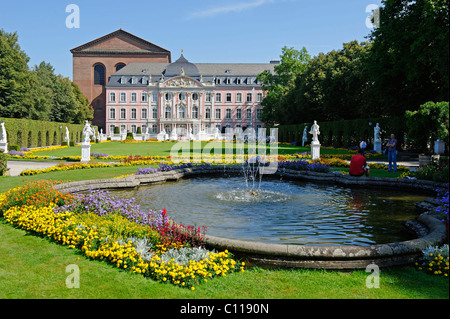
117, 231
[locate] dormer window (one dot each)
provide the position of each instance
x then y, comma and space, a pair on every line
249, 81
145, 80
238, 81
227, 81
123, 80
133, 80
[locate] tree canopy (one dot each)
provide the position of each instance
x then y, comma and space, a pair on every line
36, 93
403, 64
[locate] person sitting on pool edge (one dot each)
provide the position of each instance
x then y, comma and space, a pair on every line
358, 163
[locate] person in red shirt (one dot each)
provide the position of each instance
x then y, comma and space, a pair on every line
358, 164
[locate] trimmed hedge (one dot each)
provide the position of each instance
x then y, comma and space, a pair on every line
32, 133
345, 133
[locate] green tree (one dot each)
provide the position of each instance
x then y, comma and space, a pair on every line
37, 94
430, 121
335, 86
409, 60
277, 85
14, 76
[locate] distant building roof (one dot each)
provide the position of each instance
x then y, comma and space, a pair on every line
236, 72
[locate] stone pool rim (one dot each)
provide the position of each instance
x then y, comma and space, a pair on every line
302, 256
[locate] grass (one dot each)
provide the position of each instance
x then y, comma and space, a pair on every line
8, 182
33, 268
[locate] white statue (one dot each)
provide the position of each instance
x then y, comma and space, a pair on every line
305, 136
67, 138
3, 136
315, 132
87, 133
376, 131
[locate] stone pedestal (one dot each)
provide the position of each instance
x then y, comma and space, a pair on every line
315, 150
4, 147
377, 146
439, 147
85, 152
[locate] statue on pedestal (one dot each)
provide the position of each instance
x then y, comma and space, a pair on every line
87, 133
305, 136
3, 136
315, 132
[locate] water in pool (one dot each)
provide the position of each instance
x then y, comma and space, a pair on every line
285, 212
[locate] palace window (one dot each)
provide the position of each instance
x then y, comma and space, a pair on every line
181, 112
155, 113
144, 97
168, 96
238, 114
182, 96
99, 74
154, 128
218, 113
112, 97
259, 97
123, 114
238, 97
218, 97
195, 96
249, 114
228, 97
112, 114
249, 97
195, 112
133, 129
155, 97
168, 112
134, 97
228, 114
123, 97
143, 113
208, 97
208, 113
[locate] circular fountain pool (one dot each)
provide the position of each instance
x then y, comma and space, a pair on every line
285, 212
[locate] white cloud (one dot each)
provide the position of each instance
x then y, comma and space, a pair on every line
237, 7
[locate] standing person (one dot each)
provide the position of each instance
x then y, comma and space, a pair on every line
392, 153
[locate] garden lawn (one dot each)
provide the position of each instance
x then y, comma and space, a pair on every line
9, 182
33, 267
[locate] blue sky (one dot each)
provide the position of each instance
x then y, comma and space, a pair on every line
207, 30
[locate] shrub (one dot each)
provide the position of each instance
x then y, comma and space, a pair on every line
3, 163
72, 143
64, 143
116, 130
14, 148
139, 131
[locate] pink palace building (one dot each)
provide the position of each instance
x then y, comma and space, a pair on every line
179, 100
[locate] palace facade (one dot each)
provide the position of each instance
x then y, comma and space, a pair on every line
178, 100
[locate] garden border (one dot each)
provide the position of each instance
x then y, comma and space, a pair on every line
296, 256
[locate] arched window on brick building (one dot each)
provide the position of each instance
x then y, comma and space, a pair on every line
99, 74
